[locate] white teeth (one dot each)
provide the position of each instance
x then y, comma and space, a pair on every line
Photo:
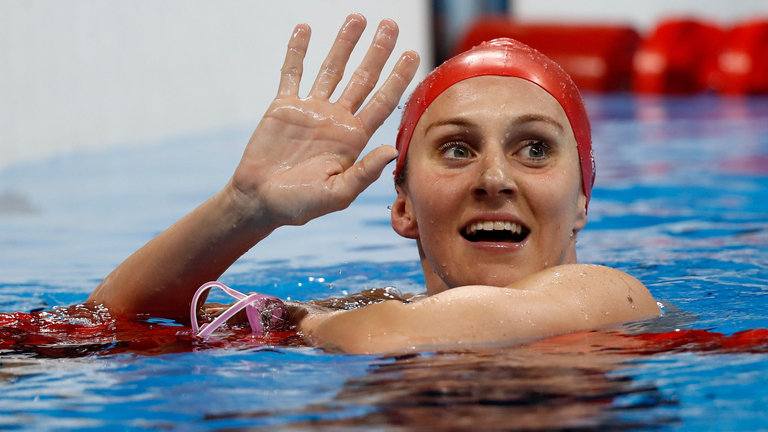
494, 226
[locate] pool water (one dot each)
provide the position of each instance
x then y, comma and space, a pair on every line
681, 202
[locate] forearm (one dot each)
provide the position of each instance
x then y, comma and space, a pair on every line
556, 300
465, 315
160, 278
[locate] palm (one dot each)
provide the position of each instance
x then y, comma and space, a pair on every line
295, 156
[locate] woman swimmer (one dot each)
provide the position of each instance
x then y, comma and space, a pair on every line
493, 178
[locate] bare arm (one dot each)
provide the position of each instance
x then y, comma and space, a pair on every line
299, 164
556, 300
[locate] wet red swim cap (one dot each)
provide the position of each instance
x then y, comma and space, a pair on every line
504, 57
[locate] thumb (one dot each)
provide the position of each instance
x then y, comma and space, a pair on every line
365, 171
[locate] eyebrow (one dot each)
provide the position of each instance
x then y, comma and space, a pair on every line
526, 118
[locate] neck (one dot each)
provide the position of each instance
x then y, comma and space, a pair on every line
435, 284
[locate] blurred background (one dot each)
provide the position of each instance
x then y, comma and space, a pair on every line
85, 74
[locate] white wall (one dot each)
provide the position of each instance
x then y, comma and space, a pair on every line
92, 74
643, 14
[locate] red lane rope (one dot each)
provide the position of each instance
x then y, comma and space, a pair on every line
51, 334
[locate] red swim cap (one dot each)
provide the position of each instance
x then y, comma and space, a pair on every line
504, 57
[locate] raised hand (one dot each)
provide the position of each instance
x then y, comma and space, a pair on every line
300, 161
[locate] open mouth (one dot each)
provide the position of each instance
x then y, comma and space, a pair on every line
495, 231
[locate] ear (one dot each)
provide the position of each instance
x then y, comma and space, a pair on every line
402, 217
581, 213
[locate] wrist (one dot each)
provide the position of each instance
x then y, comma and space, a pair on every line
244, 212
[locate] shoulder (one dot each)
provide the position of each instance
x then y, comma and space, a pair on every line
595, 287
554, 300
589, 276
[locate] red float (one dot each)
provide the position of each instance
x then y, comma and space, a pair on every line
678, 57
742, 64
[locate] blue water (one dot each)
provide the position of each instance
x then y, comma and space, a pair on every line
681, 202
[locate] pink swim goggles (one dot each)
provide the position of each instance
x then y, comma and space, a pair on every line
259, 308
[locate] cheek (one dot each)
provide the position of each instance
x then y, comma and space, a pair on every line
423, 203
430, 209
555, 193
433, 193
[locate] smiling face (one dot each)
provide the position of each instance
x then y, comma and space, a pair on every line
493, 185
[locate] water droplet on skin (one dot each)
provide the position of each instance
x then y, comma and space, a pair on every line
298, 32
556, 279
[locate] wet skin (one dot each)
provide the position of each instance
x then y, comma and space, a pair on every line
493, 188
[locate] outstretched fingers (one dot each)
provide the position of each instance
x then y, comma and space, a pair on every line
388, 96
333, 67
293, 66
366, 75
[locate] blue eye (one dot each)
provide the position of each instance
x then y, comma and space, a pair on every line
535, 150
455, 150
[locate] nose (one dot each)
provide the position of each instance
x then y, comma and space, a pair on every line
494, 179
